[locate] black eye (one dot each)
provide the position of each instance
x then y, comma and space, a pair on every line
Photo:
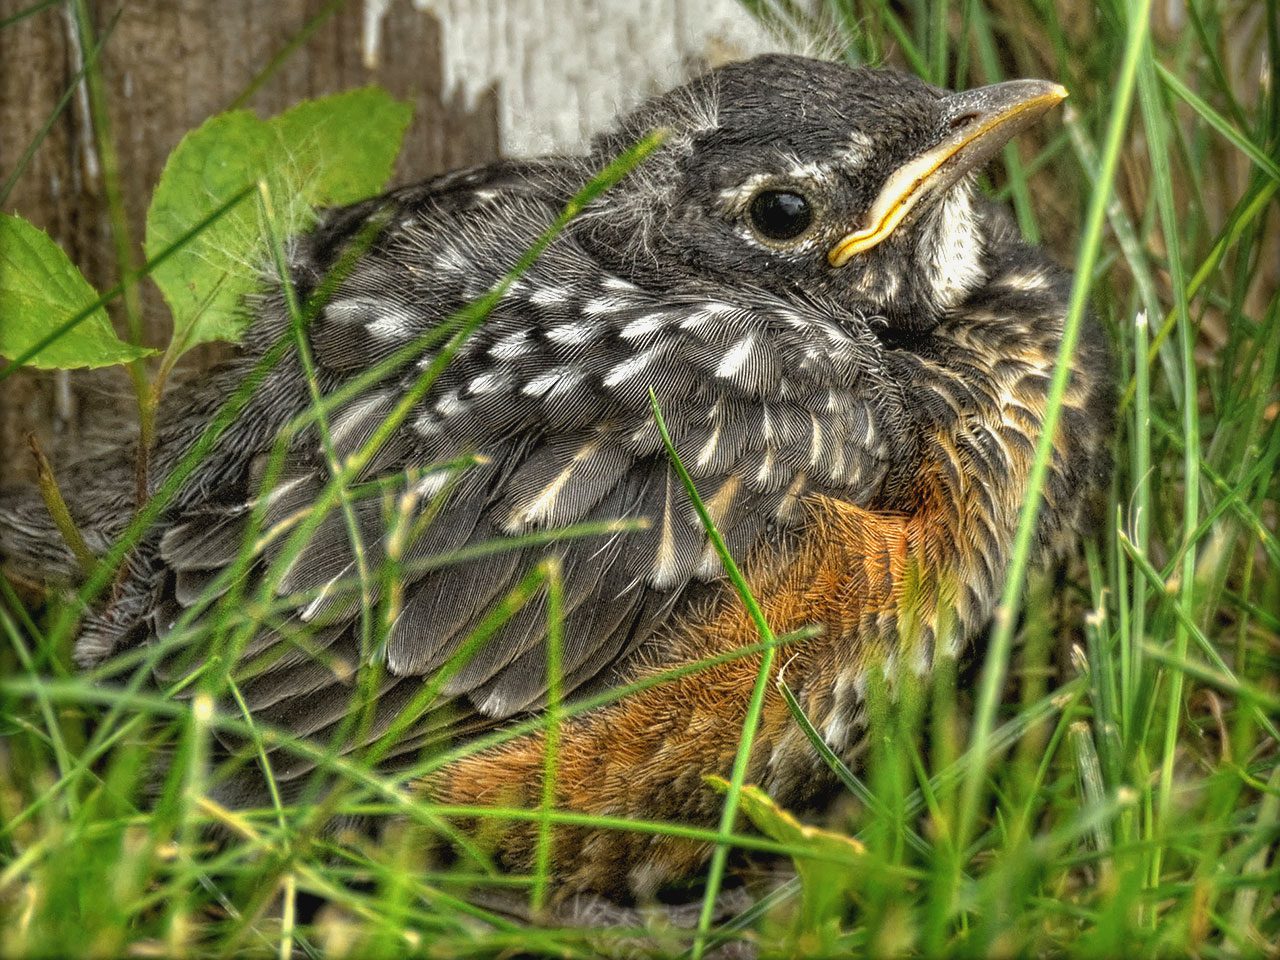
780, 214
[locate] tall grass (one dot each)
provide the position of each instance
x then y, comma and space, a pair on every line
1103, 779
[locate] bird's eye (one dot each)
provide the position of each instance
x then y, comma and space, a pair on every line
780, 214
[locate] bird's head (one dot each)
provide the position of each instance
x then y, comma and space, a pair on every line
811, 179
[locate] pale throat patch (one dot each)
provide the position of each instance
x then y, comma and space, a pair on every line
953, 255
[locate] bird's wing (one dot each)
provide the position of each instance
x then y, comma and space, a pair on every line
541, 421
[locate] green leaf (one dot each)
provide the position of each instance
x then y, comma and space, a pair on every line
40, 290
342, 148
335, 150
827, 880
203, 282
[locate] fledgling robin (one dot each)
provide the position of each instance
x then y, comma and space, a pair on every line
852, 349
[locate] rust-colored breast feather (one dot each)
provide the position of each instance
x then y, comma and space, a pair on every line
644, 757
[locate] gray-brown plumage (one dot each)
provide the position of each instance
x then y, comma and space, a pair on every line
852, 349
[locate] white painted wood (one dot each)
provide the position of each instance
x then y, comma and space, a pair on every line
564, 68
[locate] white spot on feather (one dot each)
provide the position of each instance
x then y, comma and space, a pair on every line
560, 378
631, 367
603, 305
512, 346
1027, 281
815, 445
649, 323
490, 382
450, 405
432, 483
571, 334
664, 565
353, 416
858, 152
549, 296
735, 357
450, 260
808, 171
766, 467
709, 563
835, 730
316, 605
428, 425
541, 507
391, 326
280, 489
707, 314
709, 448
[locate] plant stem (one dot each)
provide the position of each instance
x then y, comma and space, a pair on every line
58, 510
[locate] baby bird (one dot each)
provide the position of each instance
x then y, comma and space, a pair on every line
851, 348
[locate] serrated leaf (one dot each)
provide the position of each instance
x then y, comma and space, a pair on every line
826, 881
343, 147
40, 290
333, 150
204, 281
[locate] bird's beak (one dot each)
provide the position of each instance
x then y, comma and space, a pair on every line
979, 123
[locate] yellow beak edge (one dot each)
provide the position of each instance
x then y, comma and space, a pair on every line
984, 120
